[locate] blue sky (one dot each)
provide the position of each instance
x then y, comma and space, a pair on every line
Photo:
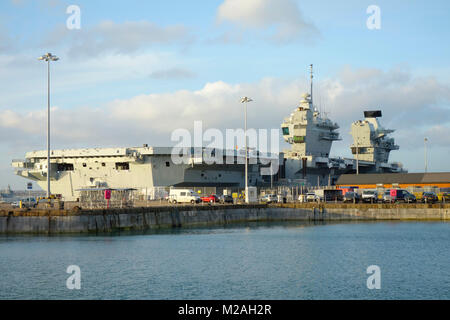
137, 70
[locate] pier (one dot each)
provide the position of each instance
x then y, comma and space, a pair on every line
35, 221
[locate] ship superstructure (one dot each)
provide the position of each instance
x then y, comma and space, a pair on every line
311, 136
370, 140
7, 193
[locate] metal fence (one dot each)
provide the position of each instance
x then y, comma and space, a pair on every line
96, 199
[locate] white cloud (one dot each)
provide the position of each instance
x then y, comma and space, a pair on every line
23, 77
172, 73
42, 4
17, 2
116, 38
415, 106
283, 16
6, 43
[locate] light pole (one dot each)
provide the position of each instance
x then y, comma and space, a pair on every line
357, 155
245, 100
426, 160
48, 57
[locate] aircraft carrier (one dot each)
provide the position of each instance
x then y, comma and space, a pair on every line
148, 169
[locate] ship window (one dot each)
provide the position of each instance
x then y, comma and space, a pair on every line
103, 164
65, 167
167, 164
299, 139
285, 131
122, 166
84, 164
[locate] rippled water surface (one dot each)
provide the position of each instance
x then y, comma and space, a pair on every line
251, 261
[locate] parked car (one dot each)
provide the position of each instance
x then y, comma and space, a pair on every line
402, 195
445, 197
429, 197
369, 196
409, 197
351, 196
26, 203
226, 199
183, 195
387, 197
212, 198
269, 198
311, 197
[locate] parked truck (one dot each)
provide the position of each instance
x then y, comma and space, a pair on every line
183, 195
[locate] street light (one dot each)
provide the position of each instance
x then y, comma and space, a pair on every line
245, 100
48, 57
357, 154
425, 140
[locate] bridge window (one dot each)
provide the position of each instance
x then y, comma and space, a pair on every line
167, 164
299, 139
65, 167
285, 131
122, 166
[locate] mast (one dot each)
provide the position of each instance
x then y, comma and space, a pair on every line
311, 66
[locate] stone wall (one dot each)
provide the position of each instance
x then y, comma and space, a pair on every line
96, 221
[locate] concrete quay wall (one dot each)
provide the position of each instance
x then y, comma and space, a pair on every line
98, 221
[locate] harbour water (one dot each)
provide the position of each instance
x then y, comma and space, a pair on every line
243, 261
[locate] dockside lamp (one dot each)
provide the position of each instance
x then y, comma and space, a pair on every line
245, 100
48, 57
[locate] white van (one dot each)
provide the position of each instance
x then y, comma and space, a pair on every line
183, 195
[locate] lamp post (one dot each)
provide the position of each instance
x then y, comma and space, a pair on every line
357, 155
48, 57
425, 140
245, 100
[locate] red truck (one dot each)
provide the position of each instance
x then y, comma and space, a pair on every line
210, 199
